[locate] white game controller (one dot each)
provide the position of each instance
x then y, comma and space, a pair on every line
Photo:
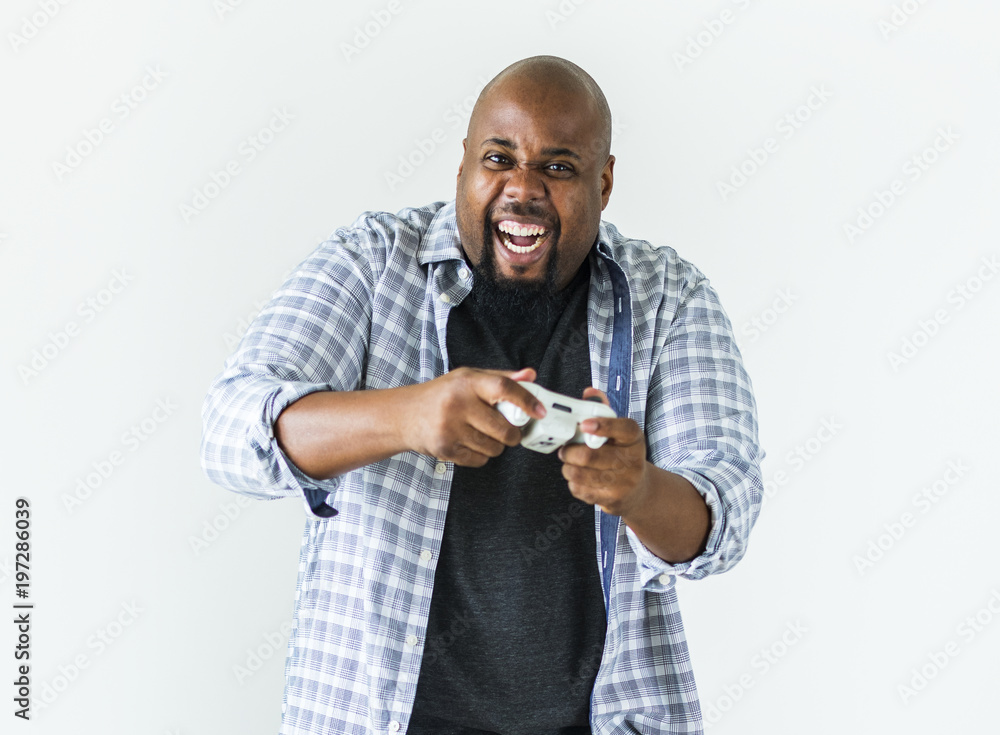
561, 424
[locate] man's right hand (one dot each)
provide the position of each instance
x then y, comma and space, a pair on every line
454, 417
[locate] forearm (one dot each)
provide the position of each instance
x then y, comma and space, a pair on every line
452, 418
670, 517
330, 433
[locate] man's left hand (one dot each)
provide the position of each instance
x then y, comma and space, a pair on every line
612, 477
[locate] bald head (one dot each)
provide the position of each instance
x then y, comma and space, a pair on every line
560, 78
536, 161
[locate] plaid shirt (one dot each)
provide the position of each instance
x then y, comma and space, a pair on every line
368, 309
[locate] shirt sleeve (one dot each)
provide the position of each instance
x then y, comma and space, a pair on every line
701, 424
311, 336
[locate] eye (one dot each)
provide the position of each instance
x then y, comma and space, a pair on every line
498, 159
559, 168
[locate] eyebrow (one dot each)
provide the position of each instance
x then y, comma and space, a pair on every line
545, 151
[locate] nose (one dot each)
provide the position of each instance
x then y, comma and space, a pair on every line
524, 183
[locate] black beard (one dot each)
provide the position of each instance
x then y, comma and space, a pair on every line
532, 301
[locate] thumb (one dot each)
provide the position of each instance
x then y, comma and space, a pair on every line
591, 392
527, 374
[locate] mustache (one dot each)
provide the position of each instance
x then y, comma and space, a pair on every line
520, 210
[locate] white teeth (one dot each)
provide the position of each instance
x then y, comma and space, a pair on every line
512, 228
520, 248
507, 227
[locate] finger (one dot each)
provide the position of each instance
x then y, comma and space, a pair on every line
497, 386
479, 442
491, 423
579, 455
465, 457
527, 373
587, 482
622, 430
590, 391
609, 457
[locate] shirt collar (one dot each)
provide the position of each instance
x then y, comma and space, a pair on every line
441, 241
604, 243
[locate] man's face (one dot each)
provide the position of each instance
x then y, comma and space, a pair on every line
533, 160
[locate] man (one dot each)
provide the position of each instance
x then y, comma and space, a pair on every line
450, 580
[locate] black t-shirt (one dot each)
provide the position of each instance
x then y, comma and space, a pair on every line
517, 621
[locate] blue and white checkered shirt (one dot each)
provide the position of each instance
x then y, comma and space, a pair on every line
367, 310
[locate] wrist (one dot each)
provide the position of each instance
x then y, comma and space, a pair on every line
641, 496
402, 416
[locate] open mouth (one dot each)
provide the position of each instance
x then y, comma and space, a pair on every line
521, 239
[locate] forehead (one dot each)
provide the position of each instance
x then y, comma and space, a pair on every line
537, 116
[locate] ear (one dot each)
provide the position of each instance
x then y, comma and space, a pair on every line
607, 181
460, 163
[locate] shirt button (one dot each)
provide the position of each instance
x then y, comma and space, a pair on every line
426, 555
664, 579
393, 725
445, 298
411, 640
440, 468
463, 273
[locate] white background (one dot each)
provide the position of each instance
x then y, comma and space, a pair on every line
186, 585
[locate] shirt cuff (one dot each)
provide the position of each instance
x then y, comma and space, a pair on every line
658, 575
315, 493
